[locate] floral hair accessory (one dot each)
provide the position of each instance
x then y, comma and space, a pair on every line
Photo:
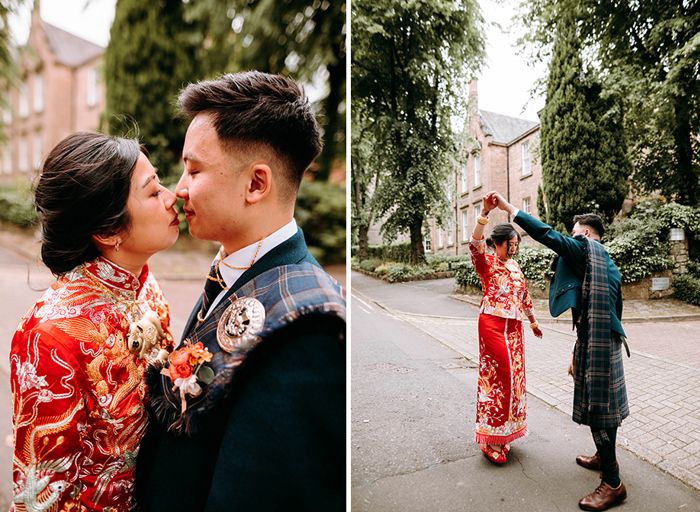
187, 368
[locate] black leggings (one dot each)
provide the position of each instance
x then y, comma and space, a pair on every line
604, 439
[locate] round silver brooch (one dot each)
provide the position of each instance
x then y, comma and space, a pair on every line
240, 323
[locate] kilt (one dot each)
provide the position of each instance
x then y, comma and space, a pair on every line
617, 408
501, 406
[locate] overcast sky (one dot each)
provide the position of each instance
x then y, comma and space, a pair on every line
503, 87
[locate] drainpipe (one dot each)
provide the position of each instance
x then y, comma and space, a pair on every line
508, 176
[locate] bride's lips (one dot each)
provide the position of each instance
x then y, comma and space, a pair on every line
176, 221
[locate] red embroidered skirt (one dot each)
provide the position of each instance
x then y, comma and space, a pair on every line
501, 406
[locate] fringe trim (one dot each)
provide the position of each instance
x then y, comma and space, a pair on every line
491, 439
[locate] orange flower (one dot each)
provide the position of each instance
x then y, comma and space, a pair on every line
198, 354
180, 367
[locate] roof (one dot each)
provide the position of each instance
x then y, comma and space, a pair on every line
504, 129
70, 50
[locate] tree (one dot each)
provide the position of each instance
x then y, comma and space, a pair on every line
410, 64
8, 63
584, 163
303, 39
152, 53
647, 53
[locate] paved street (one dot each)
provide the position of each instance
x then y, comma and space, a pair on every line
413, 407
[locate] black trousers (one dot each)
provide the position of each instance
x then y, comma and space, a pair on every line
604, 439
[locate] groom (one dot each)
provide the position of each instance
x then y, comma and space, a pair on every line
587, 281
250, 411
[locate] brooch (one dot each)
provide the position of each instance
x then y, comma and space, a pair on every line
240, 323
144, 337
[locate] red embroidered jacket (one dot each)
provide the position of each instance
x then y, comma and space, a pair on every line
503, 283
77, 390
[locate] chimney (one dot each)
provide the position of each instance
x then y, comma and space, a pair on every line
473, 95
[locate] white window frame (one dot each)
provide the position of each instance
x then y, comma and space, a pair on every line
92, 87
439, 237
7, 160
38, 93
450, 233
24, 154
477, 171
465, 226
526, 158
527, 205
464, 178
37, 150
23, 100
427, 245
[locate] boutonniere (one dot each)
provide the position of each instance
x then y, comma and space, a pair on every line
187, 368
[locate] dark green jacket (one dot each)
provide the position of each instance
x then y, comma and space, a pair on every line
277, 441
565, 289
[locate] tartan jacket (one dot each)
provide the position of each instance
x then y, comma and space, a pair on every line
591, 389
268, 433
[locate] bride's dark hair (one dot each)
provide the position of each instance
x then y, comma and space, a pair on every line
82, 191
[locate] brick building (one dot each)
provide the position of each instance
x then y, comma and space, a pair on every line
61, 92
499, 156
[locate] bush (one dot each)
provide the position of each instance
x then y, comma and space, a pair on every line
466, 275
17, 205
370, 265
320, 213
441, 263
386, 267
687, 288
534, 263
404, 270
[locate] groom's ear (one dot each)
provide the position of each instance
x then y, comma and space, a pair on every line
260, 182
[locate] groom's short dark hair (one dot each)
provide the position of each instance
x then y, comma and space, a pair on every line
591, 220
258, 108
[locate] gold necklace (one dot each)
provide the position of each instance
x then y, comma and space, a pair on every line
132, 305
218, 279
221, 259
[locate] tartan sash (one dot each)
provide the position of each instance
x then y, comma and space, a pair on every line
596, 310
288, 293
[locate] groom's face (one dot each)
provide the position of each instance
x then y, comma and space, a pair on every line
212, 185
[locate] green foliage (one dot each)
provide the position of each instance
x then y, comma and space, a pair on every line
647, 53
534, 263
384, 268
8, 63
17, 206
320, 213
686, 287
302, 39
400, 253
466, 275
441, 263
402, 271
370, 265
584, 163
411, 65
152, 53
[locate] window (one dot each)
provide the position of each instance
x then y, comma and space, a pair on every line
439, 236
23, 100
92, 87
23, 154
38, 93
7, 115
450, 233
526, 158
37, 151
464, 178
427, 244
477, 171
526, 206
477, 210
7, 161
465, 226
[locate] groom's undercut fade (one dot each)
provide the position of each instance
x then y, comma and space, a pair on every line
259, 109
593, 221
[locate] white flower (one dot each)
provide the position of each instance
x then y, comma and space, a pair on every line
27, 377
188, 385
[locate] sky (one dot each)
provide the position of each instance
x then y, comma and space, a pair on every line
503, 87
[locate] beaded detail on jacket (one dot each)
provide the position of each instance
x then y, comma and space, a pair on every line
503, 283
78, 413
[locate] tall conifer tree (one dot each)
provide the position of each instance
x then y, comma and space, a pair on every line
584, 164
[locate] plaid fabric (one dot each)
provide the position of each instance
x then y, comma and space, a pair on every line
288, 293
600, 395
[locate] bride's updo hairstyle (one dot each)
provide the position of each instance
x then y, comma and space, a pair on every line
501, 233
82, 191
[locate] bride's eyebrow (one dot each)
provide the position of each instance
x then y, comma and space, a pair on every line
149, 179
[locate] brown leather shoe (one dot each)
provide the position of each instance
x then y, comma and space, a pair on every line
589, 462
603, 497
